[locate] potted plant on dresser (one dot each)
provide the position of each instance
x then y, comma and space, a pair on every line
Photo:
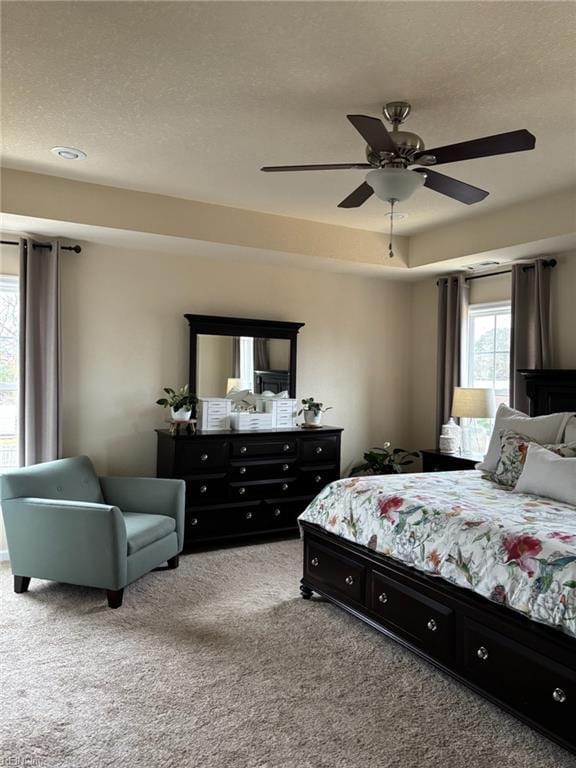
312, 411
180, 402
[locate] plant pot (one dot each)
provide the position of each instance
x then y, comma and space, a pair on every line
181, 414
313, 418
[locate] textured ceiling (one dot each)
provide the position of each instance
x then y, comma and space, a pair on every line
190, 99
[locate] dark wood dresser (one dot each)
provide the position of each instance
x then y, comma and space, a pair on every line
248, 483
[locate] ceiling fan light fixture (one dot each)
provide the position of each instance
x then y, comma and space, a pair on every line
396, 184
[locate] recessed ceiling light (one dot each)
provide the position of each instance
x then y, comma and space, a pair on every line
68, 153
396, 216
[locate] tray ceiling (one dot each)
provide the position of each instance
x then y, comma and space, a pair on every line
190, 99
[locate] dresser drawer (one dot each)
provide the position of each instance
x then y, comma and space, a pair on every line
420, 619
256, 448
206, 490
283, 514
262, 490
262, 470
313, 479
200, 456
536, 688
220, 522
334, 573
324, 449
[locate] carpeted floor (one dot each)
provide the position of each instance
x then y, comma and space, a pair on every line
220, 664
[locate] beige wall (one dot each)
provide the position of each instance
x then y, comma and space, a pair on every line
125, 338
563, 311
423, 360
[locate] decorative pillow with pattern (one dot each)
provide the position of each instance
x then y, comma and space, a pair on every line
514, 448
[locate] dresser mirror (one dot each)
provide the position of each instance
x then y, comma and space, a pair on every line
227, 352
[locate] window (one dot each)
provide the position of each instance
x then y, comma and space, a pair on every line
487, 361
488, 344
9, 322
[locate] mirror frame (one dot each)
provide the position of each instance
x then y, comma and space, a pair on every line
214, 325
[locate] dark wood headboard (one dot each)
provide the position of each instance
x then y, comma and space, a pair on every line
550, 391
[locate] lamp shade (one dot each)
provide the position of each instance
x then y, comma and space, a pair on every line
473, 403
394, 183
233, 384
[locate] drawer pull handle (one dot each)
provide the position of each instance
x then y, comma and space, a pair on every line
277, 512
318, 449
317, 478
286, 447
242, 470
383, 597
432, 625
285, 486
559, 695
204, 457
482, 653
315, 562
243, 449
203, 488
349, 580
248, 515
242, 491
285, 467
194, 521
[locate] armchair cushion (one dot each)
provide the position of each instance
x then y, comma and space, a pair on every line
144, 529
150, 495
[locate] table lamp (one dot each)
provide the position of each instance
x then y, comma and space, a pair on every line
473, 403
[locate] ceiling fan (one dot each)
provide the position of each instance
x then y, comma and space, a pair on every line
390, 155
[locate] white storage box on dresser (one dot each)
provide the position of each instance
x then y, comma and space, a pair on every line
213, 413
283, 410
251, 421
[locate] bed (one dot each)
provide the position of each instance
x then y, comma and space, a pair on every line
478, 580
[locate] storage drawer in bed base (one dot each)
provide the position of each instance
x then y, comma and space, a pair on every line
525, 667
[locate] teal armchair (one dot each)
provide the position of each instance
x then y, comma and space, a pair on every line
64, 523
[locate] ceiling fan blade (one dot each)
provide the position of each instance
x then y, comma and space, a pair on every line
358, 197
446, 185
374, 132
329, 167
500, 144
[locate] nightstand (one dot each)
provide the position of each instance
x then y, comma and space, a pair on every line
435, 461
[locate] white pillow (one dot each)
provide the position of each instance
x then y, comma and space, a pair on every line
570, 433
547, 474
543, 429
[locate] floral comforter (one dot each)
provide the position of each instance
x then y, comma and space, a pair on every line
513, 548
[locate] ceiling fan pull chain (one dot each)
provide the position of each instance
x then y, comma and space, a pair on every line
390, 250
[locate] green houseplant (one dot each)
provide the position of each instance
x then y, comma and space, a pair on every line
383, 461
312, 411
180, 402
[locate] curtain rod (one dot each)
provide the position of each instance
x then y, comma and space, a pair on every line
75, 248
548, 263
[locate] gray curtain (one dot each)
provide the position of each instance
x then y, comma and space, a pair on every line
40, 434
530, 342
453, 296
261, 355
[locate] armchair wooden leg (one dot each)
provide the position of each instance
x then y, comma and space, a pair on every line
174, 562
114, 597
21, 584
